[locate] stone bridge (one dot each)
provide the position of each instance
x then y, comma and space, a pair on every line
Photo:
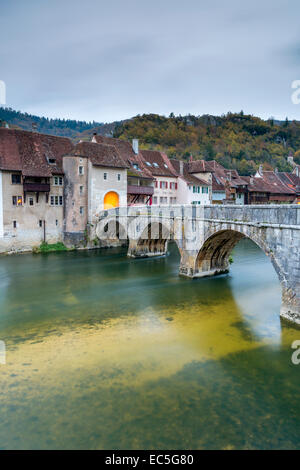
206, 236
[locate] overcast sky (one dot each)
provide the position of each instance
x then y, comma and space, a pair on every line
109, 60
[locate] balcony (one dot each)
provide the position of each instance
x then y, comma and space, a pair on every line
144, 190
36, 187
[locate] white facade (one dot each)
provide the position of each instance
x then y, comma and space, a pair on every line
192, 193
165, 191
103, 180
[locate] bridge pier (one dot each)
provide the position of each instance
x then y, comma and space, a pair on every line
192, 268
290, 307
147, 248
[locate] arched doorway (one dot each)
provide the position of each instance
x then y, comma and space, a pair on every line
111, 200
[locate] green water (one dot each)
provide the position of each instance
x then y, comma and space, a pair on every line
109, 353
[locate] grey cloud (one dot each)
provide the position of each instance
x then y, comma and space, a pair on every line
109, 60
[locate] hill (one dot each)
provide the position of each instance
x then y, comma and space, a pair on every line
75, 130
238, 141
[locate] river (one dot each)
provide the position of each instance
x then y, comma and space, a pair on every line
105, 352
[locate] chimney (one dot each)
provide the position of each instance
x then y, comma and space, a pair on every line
191, 157
34, 126
251, 179
276, 170
290, 159
135, 146
260, 171
181, 167
94, 140
297, 171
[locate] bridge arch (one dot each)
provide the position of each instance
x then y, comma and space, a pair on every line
152, 241
214, 255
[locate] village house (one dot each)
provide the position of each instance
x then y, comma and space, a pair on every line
31, 189
165, 177
191, 189
95, 180
271, 187
140, 182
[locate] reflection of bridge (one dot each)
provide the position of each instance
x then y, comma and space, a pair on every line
206, 235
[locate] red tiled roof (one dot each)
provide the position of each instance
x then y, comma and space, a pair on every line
100, 154
29, 152
158, 163
203, 166
127, 154
189, 178
268, 182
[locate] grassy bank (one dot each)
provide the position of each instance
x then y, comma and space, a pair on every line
50, 248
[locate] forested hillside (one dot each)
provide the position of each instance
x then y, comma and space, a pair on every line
63, 127
235, 140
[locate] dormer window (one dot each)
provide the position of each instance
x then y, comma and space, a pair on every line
51, 161
135, 166
148, 163
156, 165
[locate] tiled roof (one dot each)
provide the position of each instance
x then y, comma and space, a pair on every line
268, 182
158, 163
100, 154
203, 166
30, 152
188, 178
127, 154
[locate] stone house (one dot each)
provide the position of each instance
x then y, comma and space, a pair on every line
95, 180
31, 189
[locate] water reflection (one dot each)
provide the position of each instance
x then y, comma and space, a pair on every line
106, 352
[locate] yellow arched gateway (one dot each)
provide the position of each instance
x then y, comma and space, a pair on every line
111, 200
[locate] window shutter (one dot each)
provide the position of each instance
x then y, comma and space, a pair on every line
160, 184
175, 185
166, 185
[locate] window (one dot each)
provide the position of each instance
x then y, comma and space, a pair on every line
119, 177
14, 224
148, 163
16, 179
40, 223
17, 200
30, 201
173, 185
81, 170
204, 190
155, 200
56, 222
105, 176
163, 200
81, 190
172, 200
164, 185
58, 180
156, 165
56, 200
81, 210
51, 161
